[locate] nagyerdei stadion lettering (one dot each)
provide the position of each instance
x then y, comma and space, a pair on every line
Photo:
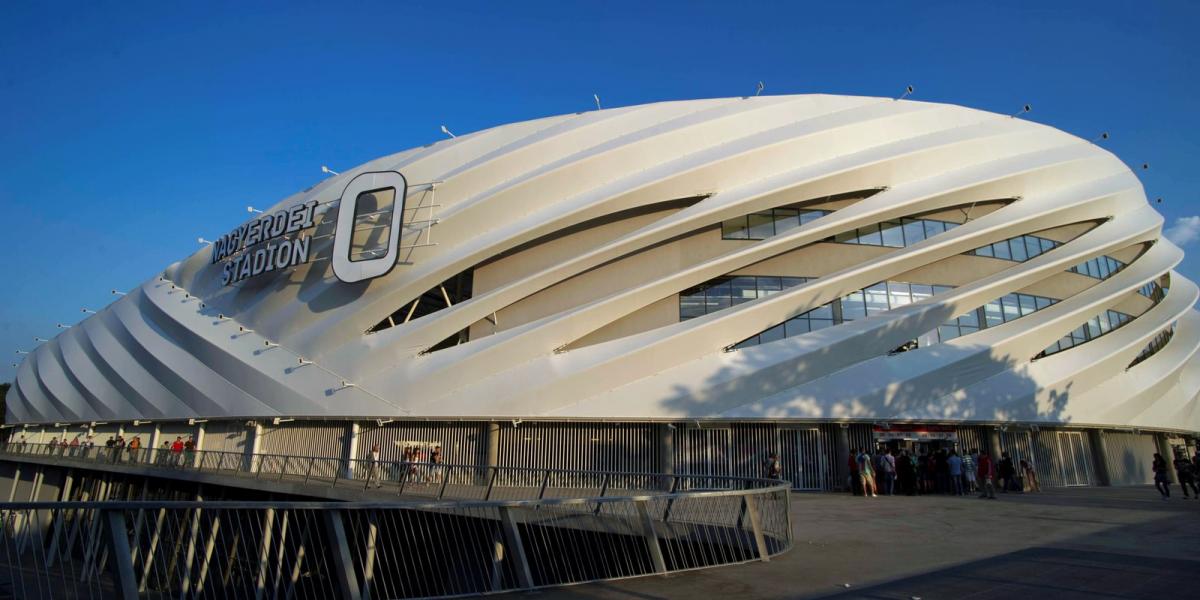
681, 287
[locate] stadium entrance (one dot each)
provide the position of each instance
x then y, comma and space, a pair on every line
917, 439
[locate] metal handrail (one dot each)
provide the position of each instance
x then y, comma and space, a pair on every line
322, 549
417, 478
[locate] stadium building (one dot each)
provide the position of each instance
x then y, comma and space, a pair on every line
677, 287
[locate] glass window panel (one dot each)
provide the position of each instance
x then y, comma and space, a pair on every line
747, 343
853, 306
932, 228
795, 327
786, 219
1000, 249
1047, 245
1093, 326
1018, 250
964, 330
743, 289
1105, 325
791, 282
771, 335
808, 216
938, 289
690, 307
950, 225
893, 234
713, 304
846, 237
825, 311
1028, 305
947, 332
899, 293
1032, 246
1040, 302
914, 231
734, 229
769, 285
921, 292
1079, 334
985, 251
1103, 266
970, 319
719, 288
876, 298
762, 226
1093, 268
870, 235
1012, 309
816, 324
993, 313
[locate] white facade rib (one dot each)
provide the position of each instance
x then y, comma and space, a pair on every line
164, 352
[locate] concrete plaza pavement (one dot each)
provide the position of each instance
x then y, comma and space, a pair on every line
1063, 543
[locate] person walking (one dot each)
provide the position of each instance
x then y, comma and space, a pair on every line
773, 469
1007, 473
986, 476
866, 473
373, 471
1161, 483
955, 463
1186, 474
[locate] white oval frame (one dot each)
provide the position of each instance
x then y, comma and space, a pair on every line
350, 271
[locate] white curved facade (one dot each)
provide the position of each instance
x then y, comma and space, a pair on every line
580, 232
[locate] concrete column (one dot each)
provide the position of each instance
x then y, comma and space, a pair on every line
1160, 439
253, 446
666, 448
155, 440
1099, 456
199, 444
994, 445
842, 456
350, 449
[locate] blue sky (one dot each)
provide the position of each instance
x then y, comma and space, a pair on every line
128, 130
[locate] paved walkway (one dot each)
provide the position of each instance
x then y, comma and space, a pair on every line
1063, 544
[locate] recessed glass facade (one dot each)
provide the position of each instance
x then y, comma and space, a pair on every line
768, 223
1156, 344
896, 233
723, 292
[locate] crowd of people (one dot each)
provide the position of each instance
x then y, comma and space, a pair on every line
119, 449
897, 471
417, 464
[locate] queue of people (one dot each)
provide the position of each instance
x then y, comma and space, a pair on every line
890, 472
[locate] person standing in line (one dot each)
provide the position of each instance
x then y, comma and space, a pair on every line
1187, 476
1161, 483
970, 460
986, 475
905, 472
374, 467
177, 451
865, 473
1030, 475
887, 469
773, 468
955, 463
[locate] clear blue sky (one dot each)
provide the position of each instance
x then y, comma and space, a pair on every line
127, 131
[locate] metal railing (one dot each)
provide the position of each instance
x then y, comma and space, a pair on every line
421, 480
377, 550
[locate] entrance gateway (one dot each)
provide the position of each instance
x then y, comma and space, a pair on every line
916, 438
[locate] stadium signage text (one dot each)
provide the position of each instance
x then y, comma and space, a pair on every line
272, 253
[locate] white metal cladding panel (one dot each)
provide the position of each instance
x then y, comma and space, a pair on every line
304, 438
837, 471
1019, 446
971, 438
862, 436
225, 436
803, 456
1129, 457
627, 447
752, 443
462, 443
169, 431
703, 451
